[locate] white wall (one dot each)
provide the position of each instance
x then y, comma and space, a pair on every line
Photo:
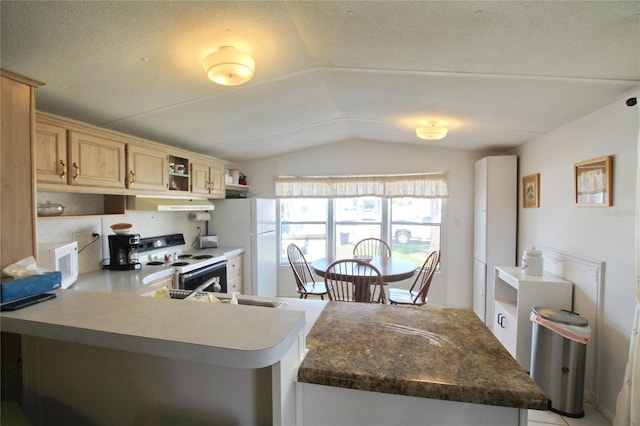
602, 233
453, 286
145, 223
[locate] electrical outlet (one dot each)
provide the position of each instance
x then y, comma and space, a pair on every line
85, 237
79, 237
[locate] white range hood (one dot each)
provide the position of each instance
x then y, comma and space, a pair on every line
168, 204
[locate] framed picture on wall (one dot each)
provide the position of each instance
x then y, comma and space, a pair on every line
531, 191
593, 182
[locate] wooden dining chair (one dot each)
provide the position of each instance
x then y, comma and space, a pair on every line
352, 280
305, 282
417, 294
372, 247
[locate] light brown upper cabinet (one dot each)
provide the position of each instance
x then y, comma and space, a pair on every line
147, 167
51, 153
207, 177
18, 233
96, 160
72, 156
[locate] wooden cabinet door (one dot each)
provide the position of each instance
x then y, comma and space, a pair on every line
96, 161
216, 178
51, 154
207, 177
217, 183
235, 267
147, 168
200, 178
18, 231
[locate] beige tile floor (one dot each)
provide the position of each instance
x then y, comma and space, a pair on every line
546, 418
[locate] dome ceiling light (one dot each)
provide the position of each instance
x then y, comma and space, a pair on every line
432, 131
229, 67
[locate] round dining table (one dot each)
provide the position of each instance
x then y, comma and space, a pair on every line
392, 269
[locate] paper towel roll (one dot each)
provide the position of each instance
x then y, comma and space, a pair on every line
202, 216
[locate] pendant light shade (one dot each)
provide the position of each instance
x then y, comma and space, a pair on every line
229, 67
432, 131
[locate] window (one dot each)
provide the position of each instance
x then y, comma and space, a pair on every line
331, 226
415, 227
356, 218
303, 221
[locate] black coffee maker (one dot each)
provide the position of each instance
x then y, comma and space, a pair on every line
123, 250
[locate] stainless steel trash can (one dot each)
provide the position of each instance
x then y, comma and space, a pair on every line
558, 353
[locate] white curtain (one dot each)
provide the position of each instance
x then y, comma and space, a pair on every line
428, 185
628, 403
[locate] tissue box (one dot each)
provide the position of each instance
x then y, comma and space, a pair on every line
24, 287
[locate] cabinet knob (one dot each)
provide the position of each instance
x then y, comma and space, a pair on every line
63, 165
132, 176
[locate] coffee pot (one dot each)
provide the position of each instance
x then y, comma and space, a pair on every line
123, 251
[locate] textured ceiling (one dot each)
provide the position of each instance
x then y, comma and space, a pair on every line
500, 73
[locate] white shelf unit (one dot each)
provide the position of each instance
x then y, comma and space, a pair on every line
516, 294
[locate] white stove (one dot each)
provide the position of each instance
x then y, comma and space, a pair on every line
190, 268
182, 262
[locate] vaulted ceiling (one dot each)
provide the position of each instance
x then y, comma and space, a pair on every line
500, 73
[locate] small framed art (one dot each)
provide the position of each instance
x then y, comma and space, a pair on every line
531, 191
593, 182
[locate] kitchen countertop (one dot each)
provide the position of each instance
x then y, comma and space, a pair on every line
434, 353
137, 281
220, 334
98, 310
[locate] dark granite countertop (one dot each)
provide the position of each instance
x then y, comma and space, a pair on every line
434, 353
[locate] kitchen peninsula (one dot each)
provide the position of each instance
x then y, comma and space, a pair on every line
99, 358
123, 359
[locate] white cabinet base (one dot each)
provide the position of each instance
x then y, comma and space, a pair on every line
325, 405
516, 294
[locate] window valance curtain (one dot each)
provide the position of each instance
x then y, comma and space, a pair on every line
428, 185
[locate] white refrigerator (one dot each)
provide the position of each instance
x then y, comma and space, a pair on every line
250, 223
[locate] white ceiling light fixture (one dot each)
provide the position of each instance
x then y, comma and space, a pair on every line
229, 67
432, 131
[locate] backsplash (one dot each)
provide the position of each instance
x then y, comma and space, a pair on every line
91, 256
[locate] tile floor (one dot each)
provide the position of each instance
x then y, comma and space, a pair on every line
546, 418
